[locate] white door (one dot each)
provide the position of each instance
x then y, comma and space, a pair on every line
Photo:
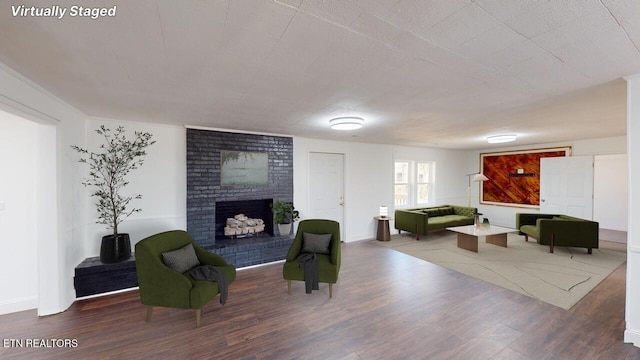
326, 187
566, 186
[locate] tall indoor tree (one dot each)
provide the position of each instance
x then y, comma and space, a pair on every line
108, 169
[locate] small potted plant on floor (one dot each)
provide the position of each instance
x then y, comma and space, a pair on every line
284, 214
117, 157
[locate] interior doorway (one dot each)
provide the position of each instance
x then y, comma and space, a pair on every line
610, 196
18, 213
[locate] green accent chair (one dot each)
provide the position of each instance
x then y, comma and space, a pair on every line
162, 286
328, 265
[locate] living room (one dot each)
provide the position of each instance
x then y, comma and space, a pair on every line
64, 211
163, 201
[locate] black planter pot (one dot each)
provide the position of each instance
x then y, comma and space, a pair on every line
115, 249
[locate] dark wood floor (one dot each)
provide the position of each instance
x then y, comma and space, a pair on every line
386, 305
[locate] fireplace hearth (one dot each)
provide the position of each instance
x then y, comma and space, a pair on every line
253, 250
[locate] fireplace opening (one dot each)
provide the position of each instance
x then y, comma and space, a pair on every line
255, 209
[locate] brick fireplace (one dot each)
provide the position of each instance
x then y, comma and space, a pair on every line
209, 203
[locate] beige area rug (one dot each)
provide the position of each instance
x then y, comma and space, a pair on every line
560, 279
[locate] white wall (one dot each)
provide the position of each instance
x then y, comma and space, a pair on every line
632, 313
449, 171
18, 209
161, 180
368, 175
505, 216
610, 191
369, 178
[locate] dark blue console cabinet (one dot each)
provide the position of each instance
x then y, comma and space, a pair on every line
93, 277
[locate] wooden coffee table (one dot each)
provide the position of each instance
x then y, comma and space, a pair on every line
468, 236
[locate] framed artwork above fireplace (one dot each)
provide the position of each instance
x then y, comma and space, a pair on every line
239, 168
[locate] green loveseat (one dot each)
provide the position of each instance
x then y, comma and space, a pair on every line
420, 221
558, 230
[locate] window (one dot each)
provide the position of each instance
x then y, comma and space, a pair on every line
413, 183
401, 191
423, 183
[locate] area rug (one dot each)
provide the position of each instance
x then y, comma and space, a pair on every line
560, 279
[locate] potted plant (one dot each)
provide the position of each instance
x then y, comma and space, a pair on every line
108, 168
284, 214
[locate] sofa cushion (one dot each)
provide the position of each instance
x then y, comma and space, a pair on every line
464, 211
567, 217
432, 212
447, 210
445, 221
437, 220
182, 259
439, 211
530, 230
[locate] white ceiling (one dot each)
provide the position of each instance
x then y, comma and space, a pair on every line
442, 73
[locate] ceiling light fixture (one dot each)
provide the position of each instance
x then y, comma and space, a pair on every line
346, 123
496, 139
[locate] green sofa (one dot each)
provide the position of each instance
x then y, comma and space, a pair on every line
558, 230
420, 221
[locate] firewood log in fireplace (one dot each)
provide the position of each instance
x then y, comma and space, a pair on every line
241, 225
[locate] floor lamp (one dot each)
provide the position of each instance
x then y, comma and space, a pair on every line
476, 177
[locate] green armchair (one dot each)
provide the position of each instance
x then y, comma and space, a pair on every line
328, 264
162, 286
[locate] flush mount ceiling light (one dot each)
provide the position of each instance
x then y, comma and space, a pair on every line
346, 123
501, 139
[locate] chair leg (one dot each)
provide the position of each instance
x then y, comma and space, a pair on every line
289, 287
149, 313
198, 312
330, 290
589, 250
526, 237
551, 245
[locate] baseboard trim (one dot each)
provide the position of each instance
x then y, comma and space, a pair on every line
260, 265
632, 336
106, 293
18, 305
